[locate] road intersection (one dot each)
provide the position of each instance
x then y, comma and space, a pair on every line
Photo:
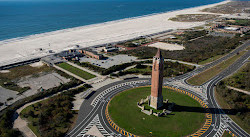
92, 111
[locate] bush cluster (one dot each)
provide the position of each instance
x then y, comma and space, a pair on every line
52, 117
7, 114
104, 71
240, 79
170, 69
195, 51
238, 102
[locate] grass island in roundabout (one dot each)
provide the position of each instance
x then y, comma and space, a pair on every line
186, 118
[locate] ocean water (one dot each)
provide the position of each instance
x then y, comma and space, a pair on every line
19, 19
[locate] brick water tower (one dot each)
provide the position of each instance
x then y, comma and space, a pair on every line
156, 99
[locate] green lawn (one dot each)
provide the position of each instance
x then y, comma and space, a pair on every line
145, 71
76, 71
210, 60
187, 118
210, 73
141, 70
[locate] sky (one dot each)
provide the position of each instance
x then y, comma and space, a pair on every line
77, 0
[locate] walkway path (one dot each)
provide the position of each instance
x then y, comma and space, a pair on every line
129, 67
240, 90
21, 124
84, 69
183, 62
69, 73
172, 60
198, 38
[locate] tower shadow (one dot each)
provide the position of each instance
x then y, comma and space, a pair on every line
179, 108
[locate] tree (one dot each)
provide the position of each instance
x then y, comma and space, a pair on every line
31, 113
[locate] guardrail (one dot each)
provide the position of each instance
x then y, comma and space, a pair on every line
19, 64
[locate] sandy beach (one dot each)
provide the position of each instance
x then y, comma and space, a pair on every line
21, 49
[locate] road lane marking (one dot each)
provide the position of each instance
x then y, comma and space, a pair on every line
103, 93
97, 123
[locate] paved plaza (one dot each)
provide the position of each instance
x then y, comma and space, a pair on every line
46, 81
111, 61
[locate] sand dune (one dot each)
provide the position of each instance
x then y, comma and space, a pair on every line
20, 49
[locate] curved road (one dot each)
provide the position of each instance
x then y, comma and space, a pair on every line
94, 108
219, 115
92, 111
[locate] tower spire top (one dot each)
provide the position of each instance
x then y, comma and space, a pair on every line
158, 54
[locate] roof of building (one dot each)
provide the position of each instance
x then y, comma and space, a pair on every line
231, 28
92, 51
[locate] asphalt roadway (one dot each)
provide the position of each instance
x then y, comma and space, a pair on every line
207, 66
92, 111
220, 115
95, 106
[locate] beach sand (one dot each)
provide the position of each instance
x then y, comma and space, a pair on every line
21, 49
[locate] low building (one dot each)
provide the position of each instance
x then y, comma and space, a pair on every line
110, 49
229, 29
92, 54
50, 60
121, 47
71, 54
179, 32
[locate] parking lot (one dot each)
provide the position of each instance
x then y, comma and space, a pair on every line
111, 61
5, 94
45, 81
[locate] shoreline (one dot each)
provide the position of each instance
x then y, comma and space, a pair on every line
94, 34
102, 23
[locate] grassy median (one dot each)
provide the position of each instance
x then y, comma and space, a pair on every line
226, 134
187, 117
210, 60
210, 73
76, 71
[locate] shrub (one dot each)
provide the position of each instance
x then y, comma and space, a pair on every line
10, 98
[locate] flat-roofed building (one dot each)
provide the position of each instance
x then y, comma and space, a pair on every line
110, 49
90, 53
